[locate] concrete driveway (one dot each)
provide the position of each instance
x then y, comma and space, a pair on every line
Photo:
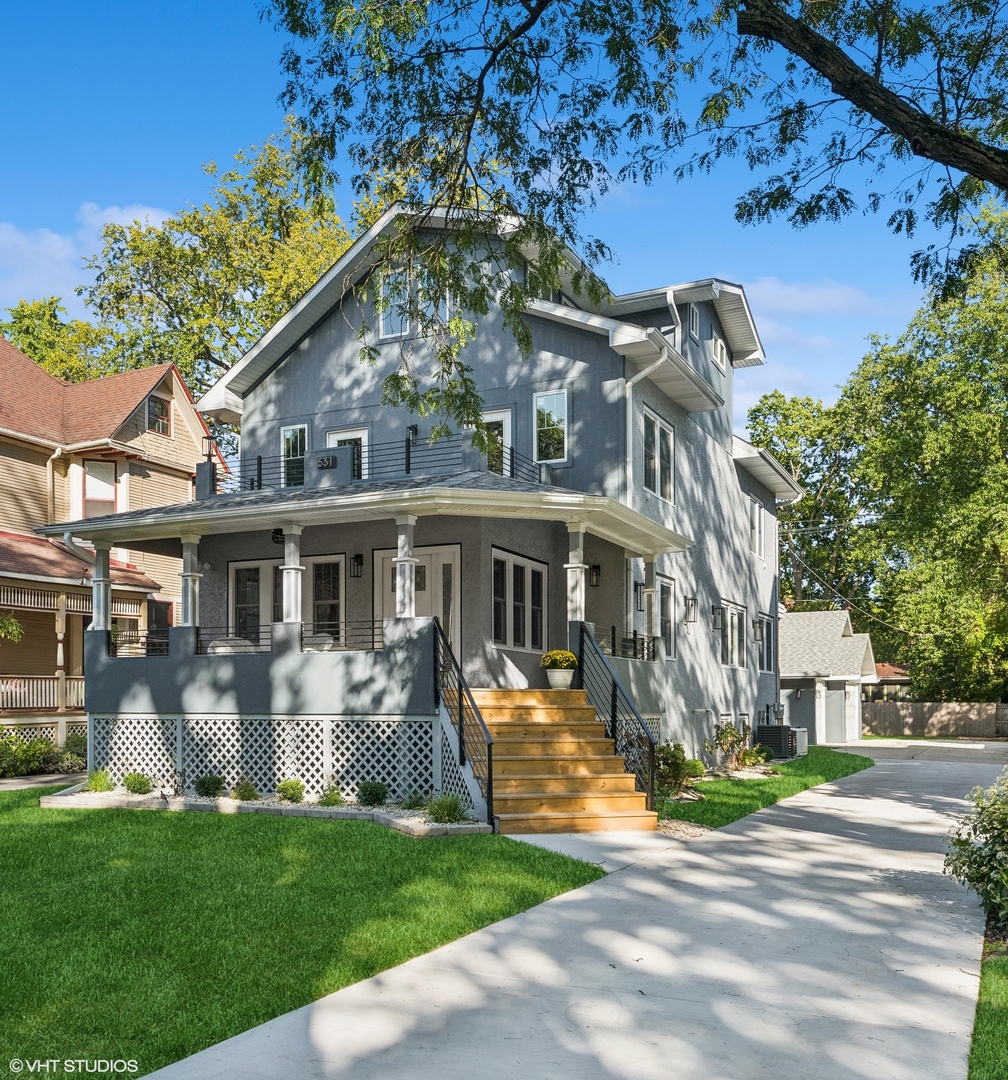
815, 939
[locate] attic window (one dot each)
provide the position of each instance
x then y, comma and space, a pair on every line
694, 322
720, 354
159, 415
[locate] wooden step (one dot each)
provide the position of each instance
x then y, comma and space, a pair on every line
610, 821
552, 746
545, 714
507, 729
532, 783
529, 697
566, 802
554, 764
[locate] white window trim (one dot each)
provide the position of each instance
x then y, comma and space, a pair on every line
284, 428
504, 415
693, 319
720, 354
670, 646
769, 625
535, 428
660, 423
333, 438
115, 484
386, 311
512, 559
757, 528
739, 614
171, 416
266, 568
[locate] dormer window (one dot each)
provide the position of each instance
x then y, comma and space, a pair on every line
159, 415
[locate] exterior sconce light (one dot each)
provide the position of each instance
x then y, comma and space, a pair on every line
638, 595
357, 566
277, 536
595, 574
208, 447
717, 617
690, 609
412, 431
757, 629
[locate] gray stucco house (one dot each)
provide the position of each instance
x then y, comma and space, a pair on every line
823, 667
620, 514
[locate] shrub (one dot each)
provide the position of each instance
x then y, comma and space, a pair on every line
674, 771
19, 757
99, 781
72, 763
754, 755
372, 793
245, 790
291, 789
137, 784
728, 740
332, 796
209, 786
446, 809
77, 745
558, 658
978, 849
414, 801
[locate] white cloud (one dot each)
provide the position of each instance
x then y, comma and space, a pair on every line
40, 262
771, 296
773, 333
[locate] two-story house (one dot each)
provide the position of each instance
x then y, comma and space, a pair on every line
70, 452
328, 590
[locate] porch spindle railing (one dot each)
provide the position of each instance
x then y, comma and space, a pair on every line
475, 743
615, 708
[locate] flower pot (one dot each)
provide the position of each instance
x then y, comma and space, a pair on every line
560, 678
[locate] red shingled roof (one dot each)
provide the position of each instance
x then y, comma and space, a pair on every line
891, 671
32, 556
35, 403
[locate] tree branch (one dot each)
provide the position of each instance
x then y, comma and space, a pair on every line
768, 20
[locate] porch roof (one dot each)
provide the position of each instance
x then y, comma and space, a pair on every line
28, 558
469, 494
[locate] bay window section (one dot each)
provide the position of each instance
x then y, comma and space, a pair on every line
519, 602
99, 488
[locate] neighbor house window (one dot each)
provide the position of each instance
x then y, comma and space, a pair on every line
659, 441
99, 488
551, 426
756, 525
293, 441
159, 415
394, 317
519, 601
765, 646
720, 354
733, 635
357, 439
694, 322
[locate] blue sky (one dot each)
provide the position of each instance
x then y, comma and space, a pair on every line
108, 109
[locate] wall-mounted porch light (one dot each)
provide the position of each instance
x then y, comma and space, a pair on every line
208, 447
595, 574
717, 617
356, 565
638, 595
277, 536
413, 430
690, 609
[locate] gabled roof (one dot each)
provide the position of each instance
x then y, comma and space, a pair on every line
763, 467
823, 645
40, 407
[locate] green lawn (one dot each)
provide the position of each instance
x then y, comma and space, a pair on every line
151, 935
726, 800
989, 1051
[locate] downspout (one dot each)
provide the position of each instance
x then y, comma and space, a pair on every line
68, 542
51, 484
630, 384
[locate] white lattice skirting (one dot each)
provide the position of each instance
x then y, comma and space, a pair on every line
396, 751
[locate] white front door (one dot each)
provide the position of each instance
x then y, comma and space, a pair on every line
437, 587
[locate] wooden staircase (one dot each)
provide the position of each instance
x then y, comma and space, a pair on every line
554, 770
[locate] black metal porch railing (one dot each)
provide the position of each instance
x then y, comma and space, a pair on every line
152, 642
222, 640
614, 707
362, 635
475, 743
628, 646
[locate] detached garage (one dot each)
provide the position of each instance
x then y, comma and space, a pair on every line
823, 665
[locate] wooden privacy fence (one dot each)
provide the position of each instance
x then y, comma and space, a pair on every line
951, 719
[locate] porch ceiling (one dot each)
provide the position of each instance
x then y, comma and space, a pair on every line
466, 495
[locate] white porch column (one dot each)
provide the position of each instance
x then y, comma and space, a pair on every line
650, 594
576, 570
405, 564
101, 589
190, 580
60, 657
292, 574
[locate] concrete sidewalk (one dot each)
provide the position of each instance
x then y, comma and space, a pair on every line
815, 939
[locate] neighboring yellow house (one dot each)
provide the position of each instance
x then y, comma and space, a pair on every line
70, 451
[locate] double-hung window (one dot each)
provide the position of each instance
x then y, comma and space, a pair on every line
293, 444
765, 645
733, 635
395, 321
694, 322
666, 607
498, 429
99, 488
551, 426
757, 542
357, 440
659, 448
519, 601
720, 355
159, 415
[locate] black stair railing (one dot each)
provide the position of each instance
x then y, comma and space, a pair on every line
615, 708
475, 743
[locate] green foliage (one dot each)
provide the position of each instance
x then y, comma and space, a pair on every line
99, 780
372, 793
245, 790
70, 349
291, 789
729, 741
10, 628
137, 784
446, 809
72, 763
209, 786
414, 801
269, 913
332, 796
754, 755
978, 849
76, 744
27, 757
674, 771
560, 659
726, 799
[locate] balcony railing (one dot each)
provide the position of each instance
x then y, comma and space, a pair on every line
29, 691
222, 640
138, 642
627, 646
339, 636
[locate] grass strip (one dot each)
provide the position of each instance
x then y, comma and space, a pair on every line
988, 1058
726, 800
151, 935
